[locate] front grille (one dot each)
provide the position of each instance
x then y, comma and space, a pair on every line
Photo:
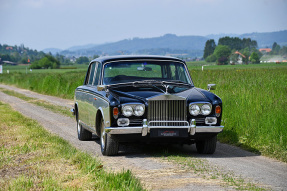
200, 121
167, 110
136, 122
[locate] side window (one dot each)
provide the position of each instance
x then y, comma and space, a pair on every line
98, 73
91, 75
181, 73
173, 72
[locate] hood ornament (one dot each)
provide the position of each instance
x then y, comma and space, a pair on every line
166, 88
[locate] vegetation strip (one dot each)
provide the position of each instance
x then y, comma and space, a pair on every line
33, 159
57, 109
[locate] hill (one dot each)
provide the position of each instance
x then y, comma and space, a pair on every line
170, 44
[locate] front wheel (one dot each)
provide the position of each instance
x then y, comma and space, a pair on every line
207, 146
83, 134
109, 146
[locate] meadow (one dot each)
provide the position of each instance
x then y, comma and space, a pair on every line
254, 99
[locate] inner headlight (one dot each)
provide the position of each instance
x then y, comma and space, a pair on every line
194, 109
139, 110
205, 109
127, 110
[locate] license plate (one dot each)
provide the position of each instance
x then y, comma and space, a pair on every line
168, 133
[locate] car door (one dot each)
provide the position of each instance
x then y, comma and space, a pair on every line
84, 97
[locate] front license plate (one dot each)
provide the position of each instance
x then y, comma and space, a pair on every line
168, 133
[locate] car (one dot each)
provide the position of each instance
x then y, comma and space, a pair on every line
145, 99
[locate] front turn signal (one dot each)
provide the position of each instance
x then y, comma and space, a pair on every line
115, 112
217, 111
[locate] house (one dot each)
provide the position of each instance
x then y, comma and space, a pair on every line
265, 50
236, 58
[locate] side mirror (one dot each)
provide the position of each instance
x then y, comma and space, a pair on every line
101, 87
211, 87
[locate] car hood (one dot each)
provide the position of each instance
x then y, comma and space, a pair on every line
124, 95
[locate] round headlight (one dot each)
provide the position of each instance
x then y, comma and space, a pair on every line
205, 109
139, 110
194, 110
127, 110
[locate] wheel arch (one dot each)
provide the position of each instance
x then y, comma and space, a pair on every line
99, 116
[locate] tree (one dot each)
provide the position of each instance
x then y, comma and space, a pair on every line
246, 53
254, 58
222, 53
209, 48
47, 62
211, 58
82, 60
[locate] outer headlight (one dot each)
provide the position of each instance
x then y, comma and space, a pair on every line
127, 110
194, 109
205, 109
139, 110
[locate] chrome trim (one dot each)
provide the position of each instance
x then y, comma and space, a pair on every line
209, 129
167, 110
73, 111
145, 129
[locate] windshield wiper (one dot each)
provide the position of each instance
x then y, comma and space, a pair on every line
175, 82
148, 83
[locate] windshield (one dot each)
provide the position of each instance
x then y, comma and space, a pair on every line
130, 71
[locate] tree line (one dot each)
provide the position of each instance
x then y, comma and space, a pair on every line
38, 59
226, 48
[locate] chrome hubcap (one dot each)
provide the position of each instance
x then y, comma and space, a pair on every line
103, 135
79, 128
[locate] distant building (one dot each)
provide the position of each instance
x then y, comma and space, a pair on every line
237, 58
9, 48
265, 50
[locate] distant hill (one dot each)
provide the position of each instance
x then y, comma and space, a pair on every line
268, 38
170, 44
52, 50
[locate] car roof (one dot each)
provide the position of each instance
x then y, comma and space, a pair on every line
134, 57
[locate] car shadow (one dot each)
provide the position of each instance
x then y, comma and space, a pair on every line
143, 150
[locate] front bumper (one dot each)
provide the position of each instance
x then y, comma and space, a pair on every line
145, 129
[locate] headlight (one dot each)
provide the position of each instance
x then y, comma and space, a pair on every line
139, 110
127, 110
205, 109
194, 109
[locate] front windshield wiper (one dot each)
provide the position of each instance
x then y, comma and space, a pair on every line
176, 82
148, 83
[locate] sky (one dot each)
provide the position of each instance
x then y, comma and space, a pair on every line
40, 24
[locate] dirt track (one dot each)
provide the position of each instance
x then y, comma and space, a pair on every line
154, 172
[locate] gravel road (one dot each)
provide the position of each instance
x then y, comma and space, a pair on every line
154, 172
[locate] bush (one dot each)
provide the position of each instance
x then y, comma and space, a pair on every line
46, 62
211, 58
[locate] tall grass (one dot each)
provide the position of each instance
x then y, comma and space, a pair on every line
254, 107
56, 84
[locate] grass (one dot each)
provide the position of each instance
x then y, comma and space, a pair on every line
57, 109
56, 84
254, 100
33, 159
254, 107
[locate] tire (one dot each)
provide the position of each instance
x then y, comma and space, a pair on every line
109, 146
83, 134
207, 146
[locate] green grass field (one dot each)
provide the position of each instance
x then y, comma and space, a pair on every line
31, 158
254, 99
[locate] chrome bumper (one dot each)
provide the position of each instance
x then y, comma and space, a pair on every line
145, 129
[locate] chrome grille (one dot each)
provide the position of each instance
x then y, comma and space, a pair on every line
170, 112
